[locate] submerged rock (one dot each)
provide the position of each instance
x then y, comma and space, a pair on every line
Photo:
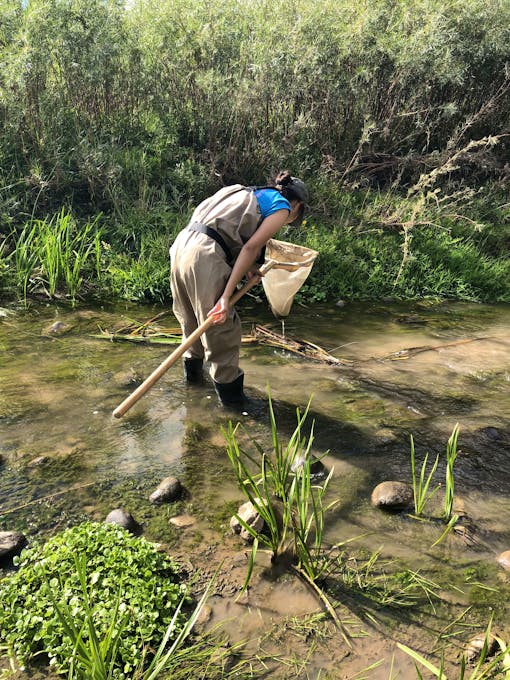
504, 560
411, 319
169, 489
123, 519
128, 379
182, 521
393, 496
385, 436
38, 462
57, 329
11, 544
474, 647
224, 658
251, 517
204, 617
317, 467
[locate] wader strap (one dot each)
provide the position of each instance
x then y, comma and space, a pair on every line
212, 233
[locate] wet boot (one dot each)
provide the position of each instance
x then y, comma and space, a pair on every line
231, 394
193, 373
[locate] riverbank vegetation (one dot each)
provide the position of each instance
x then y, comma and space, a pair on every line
123, 116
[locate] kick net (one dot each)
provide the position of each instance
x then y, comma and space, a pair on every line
290, 267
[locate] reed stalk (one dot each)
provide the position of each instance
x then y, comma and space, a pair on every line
421, 483
485, 669
54, 254
282, 493
25, 260
451, 455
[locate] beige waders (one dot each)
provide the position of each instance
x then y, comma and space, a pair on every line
199, 274
198, 278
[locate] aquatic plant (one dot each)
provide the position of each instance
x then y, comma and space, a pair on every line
421, 484
374, 583
283, 494
54, 254
25, 259
497, 667
95, 654
129, 583
451, 455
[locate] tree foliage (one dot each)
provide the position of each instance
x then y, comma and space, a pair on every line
103, 101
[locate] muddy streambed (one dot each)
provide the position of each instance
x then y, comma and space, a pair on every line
406, 369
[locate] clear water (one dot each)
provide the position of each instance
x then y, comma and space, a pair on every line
406, 369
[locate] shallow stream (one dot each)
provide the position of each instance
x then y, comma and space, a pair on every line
413, 369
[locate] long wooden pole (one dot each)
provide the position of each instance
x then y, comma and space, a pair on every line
190, 340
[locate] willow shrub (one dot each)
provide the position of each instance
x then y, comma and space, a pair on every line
108, 103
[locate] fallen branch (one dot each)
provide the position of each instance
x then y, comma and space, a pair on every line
45, 498
325, 601
260, 334
412, 351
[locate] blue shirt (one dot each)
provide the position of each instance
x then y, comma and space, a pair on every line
270, 201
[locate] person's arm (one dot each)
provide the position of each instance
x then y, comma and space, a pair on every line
246, 260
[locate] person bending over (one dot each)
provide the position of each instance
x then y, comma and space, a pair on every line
224, 242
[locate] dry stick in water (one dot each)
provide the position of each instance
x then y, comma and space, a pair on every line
405, 353
46, 498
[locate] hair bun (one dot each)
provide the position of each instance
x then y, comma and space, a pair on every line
283, 178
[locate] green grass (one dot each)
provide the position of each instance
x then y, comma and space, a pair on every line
279, 485
363, 254
421, 483
95, 653
55, 256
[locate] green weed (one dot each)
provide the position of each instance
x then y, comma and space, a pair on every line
126, 576
422, 482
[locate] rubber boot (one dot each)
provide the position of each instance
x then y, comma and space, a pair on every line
231, 394
193, 371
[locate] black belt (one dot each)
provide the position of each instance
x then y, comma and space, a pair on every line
212, 233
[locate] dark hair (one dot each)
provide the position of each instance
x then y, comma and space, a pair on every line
282, 181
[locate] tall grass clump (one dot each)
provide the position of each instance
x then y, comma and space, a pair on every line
421, 482
53, 256
451, 456
280, 486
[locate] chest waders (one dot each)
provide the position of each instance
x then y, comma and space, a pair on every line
201, 263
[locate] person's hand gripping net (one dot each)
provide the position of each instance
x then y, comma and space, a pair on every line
220, 311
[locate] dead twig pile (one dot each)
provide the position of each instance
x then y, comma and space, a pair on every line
149, 333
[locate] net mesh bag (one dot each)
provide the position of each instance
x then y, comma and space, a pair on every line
290, 266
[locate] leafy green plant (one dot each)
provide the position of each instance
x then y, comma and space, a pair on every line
125, 575
421, 484
96, 656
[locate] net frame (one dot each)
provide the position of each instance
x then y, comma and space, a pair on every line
291, 265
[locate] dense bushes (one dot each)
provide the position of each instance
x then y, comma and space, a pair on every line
102, 103
143, 108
